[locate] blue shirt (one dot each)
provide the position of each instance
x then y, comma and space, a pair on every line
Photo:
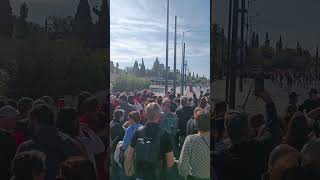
128, 135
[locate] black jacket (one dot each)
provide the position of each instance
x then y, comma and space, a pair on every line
7, 150
248, 160
184, 114
56, 145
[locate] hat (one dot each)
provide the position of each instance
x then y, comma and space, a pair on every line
313, 91
8, 112
293, 94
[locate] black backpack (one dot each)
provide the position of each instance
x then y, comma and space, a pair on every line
148, 148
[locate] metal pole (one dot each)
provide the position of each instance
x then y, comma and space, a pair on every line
184, 67
229, 53
181, 77
175, 55
232, 101
166, 79
243, 6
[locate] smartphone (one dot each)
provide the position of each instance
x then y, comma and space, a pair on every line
259, 83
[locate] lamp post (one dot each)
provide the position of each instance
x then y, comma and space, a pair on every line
182, 61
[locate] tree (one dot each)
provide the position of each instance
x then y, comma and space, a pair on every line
117, 68
83, 21
142, 69
257, 44
111, 67
267, 40
253, 40
156, 68
22, 25
6, 20
135, 68
103, 32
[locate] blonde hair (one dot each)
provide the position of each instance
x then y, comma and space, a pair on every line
151, 111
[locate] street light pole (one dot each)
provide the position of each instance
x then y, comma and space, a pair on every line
232, 101
167, 44
175, 55
243, 4
229, 53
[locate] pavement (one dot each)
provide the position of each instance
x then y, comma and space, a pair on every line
255, 105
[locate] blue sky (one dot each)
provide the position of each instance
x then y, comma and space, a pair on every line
138, 30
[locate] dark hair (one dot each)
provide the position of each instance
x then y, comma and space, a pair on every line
118, 114
203, 102
236, 125
77, 168
67, 121
28, 163
38, 102
202, 121
43, 114
48, 100
12, 103
298, 130
102, 121
25, 104
131, 99
2, 103
159, 100
135, 116
123, 97
81, 98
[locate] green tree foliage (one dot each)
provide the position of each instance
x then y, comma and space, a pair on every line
46, 67
142, 69
128, 82
156, 68
102, 32
6, 20
83, 21
135, 68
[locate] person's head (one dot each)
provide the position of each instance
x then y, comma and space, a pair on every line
203, 102
38, 102
202, 120
194, 96
77, 168
152, 112
25, 105
29, 165
118, 115
165, 105
48, 100
237, 126
313, 94
220, 108
2, 103
184, 101
81, 98
283, 160
293, 98
123, 99
91, 105
12, 103
196, 111
41, 116
178, 96
134, 117
8, 117
257, 123
68, 122
171, 97
138, 97
159, 100
131, 99
298, 131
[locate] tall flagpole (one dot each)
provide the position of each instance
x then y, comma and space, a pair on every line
175, 55
166, 79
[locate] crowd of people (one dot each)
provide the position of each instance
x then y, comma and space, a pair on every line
44, 139
267, 146
159, 137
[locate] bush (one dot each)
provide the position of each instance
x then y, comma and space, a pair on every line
127, 82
